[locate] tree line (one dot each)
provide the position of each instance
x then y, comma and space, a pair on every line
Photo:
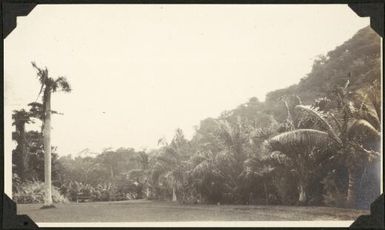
314, 143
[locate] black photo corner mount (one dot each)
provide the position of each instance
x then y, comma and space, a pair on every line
10, 11
376, 218
10, 218
373, 10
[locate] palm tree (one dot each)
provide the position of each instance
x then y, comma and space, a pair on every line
48, 86
260, 171
301, 146
230, 160
259, 166
168, 166
355, 135
21, 117
171, 162
359, 126
216, 171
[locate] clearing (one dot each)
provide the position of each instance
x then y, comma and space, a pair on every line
143, 210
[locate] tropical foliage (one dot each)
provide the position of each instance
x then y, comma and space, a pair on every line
314, 143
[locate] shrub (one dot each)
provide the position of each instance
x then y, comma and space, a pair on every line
112, 191
33, 192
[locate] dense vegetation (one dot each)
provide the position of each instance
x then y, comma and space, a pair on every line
313, 143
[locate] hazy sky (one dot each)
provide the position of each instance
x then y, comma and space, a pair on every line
138, 72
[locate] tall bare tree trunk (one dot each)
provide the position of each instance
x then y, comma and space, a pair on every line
174, 199
352, 188
111, 172
23, 152
266, 193
302, 194
47, 150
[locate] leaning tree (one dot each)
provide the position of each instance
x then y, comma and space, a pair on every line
48, 86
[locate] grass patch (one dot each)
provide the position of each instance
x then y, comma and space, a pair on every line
147, 211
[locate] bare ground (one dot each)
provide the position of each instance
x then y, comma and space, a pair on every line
142, 210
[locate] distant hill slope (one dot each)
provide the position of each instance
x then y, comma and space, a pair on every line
358, 59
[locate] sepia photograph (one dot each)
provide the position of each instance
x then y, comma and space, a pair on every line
190, 115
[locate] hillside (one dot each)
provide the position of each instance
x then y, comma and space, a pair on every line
358, 59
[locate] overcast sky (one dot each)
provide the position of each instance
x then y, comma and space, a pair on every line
138, 72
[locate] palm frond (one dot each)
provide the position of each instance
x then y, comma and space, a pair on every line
289, 119
362, 127
203, 168
370, 115
279, 157
322, 118
21, 116
224, 156
261, 133
375, 98
162, 141
337, 122
63, 84
42, 74
299, 137
371, 153
321, 103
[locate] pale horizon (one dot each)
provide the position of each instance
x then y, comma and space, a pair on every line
139, 72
